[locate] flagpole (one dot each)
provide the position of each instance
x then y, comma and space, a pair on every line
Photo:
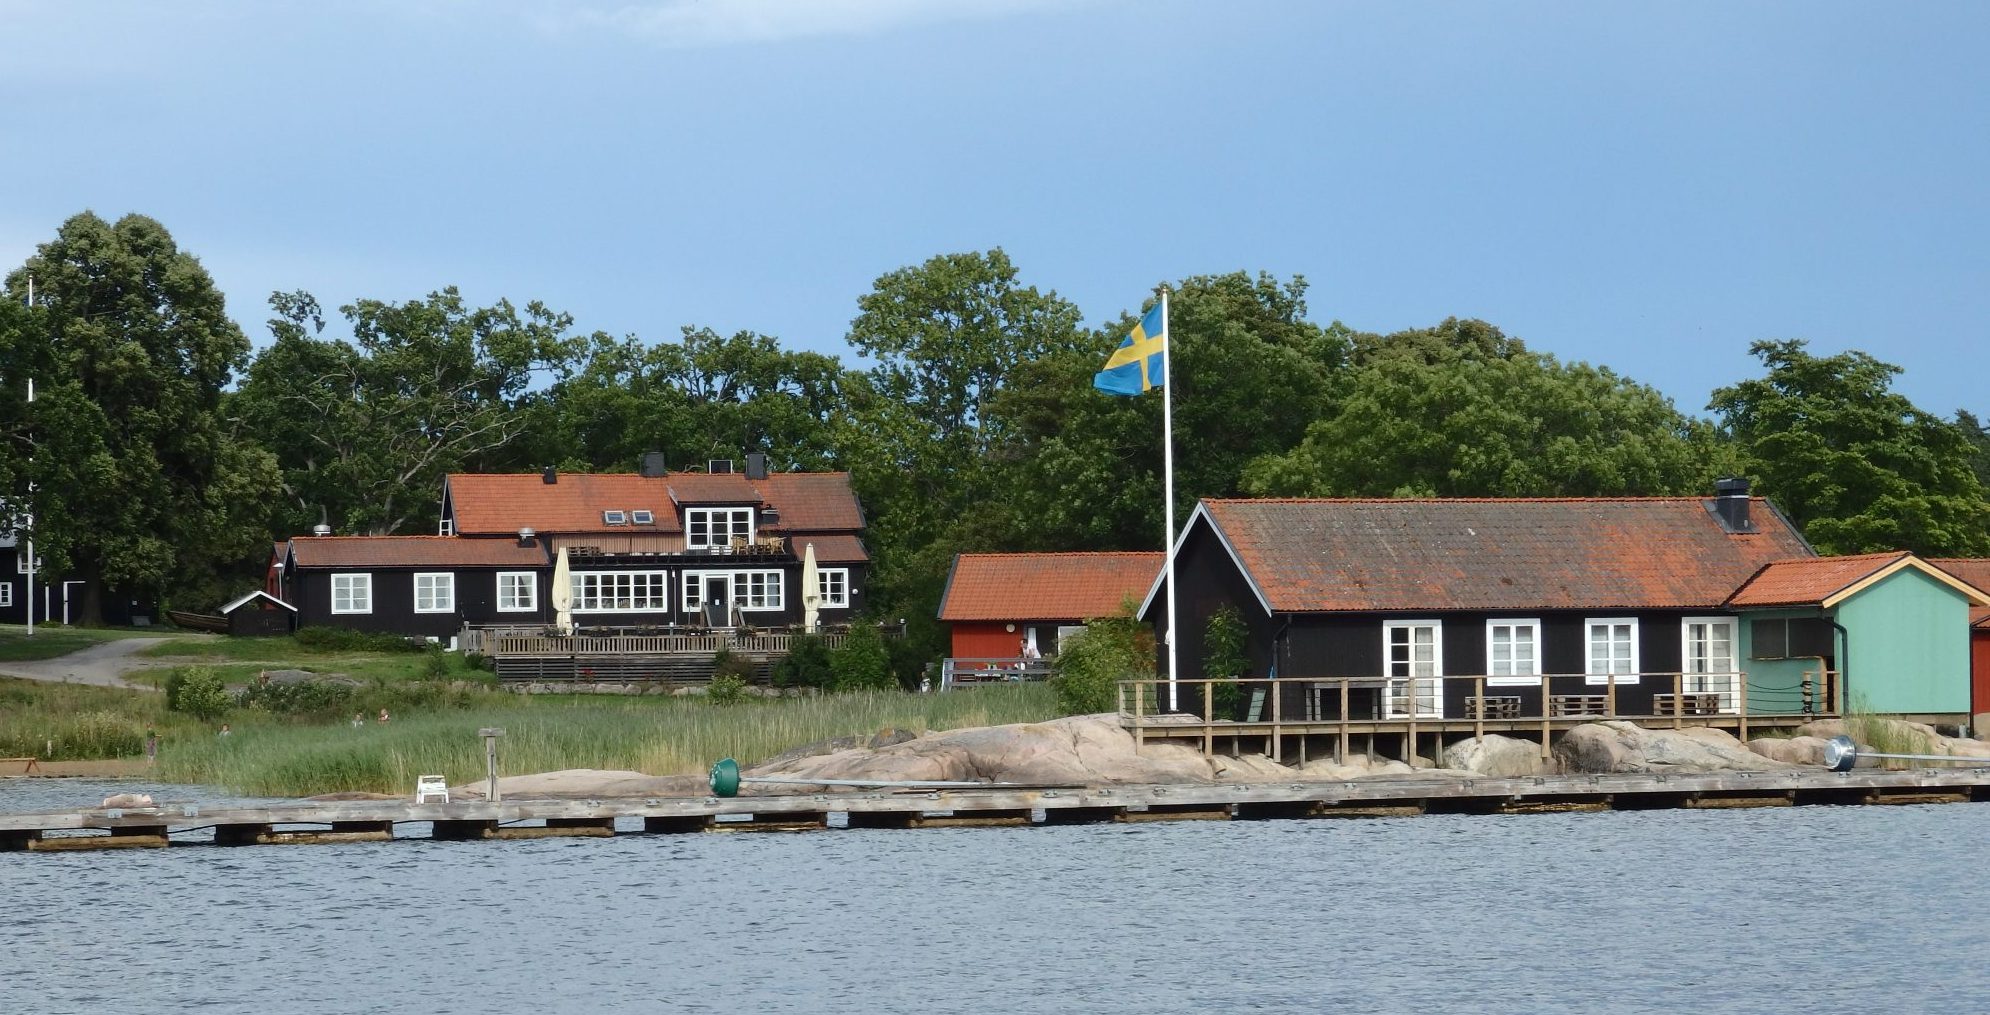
1168, 486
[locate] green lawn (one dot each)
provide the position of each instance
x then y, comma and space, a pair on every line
51, 640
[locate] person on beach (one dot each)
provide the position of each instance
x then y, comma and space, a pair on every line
383, 715
359, 720
224, 730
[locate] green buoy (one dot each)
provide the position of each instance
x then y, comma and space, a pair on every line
725, 778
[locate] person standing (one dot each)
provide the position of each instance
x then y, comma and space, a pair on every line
224, 730
151, 746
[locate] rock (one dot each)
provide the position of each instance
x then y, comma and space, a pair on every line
1617, 746
1495, 755
886, 737
128, 800
587, 784
1075, 750
1252, 768
1801, 750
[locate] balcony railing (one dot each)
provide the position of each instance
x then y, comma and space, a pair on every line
965, 672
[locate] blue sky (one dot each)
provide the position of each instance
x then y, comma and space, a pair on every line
1648, 187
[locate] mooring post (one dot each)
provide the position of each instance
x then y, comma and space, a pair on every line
491, 735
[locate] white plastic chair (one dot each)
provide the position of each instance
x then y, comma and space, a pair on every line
431, 786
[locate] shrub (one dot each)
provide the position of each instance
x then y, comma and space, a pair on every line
318, 699
861, 663
100, 734
196, 691
1090, 664
805, 665
1225, 640
726, 689
725, 664
435, 662
345, 639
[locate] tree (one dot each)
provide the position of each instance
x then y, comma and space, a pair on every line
1464, 410
365, 431
198, 692
861, 662
1091, 663
137, 483
1977, 433
1854, 464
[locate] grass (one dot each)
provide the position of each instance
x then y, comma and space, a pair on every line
51, 640
656, 735
74, 722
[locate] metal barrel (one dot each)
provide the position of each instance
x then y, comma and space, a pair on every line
1841, 753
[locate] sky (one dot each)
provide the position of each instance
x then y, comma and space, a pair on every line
1649, 187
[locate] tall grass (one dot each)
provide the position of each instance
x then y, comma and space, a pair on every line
72, 722
678, 736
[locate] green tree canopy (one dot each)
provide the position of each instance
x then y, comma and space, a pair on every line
1464, 410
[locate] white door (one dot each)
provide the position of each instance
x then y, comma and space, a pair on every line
1708, 659
1412, 653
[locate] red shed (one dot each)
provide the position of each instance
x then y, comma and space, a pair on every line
999, 602
1976, 572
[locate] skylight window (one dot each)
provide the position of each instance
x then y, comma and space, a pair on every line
614, 518
641, 517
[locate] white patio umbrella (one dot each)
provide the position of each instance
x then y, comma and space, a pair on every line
811, 589
563, 595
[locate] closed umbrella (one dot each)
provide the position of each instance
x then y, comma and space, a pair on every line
563, 595
811, 589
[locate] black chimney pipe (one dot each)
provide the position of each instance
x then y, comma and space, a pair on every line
1731, 504
550, 476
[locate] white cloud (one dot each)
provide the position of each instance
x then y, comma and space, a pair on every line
687, 24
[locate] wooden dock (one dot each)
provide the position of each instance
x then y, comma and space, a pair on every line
377, 820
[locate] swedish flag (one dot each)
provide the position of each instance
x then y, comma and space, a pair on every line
1141, 362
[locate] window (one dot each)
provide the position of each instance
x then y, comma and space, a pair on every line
447, 528
620, 591
1707, 658
614, 518
518, 591
756, 590
1513, 652
352, 593
435, 593
832, 584
21, 562
7, 594
1613, 650
1413, 656
641, 517
1066, 633
716, 528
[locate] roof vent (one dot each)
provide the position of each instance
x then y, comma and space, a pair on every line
550, 476
719, 465
526, 536
321, 529
1731, 505
770, 516
651, 466
756, 466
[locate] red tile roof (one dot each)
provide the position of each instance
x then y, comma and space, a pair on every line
413, 551
1045, 586
1497, 554
504, 503
1810, 582
830, 548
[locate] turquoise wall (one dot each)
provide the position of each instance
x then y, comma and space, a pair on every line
1908, 646
1775, 686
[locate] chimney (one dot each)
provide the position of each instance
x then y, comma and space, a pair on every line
550, 476
321, 529
651, 466
716, 466
526, 536
756, 466
1731, 505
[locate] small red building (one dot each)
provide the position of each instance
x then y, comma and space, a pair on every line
998, 603
1976, 572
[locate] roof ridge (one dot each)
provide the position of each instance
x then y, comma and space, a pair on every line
1667, 498
1066, 553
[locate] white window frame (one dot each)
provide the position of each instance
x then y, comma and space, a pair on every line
447, 527
528, 581
6, 593
823, 577
1434, 692
441, 591
642, 516
618, 590
358, 592
739, 590
613, 517
21, 562
1603, 672
706, 518
1514, 678
1725, 687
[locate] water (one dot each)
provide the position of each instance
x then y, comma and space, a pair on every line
1811, 909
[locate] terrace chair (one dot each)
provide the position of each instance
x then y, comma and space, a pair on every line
431, 786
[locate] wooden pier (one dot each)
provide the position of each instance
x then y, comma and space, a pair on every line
377, 820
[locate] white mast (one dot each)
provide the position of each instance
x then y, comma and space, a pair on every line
31, 492
1168, 485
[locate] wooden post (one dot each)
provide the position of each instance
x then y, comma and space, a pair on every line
1208, 718
1139, 703
1610, 695
1741, 702
1277, 747
1479, 711
1547, 728
1678, 697
1340, 757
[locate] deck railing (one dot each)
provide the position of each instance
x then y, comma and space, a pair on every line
539, 643
965, 671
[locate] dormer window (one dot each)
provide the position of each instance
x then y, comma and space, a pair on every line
717, 528
614, 518
641, 517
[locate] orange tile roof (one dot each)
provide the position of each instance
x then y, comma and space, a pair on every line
413, 551
504, 503
1497, 553
1045, 586
1810, 582
830, 548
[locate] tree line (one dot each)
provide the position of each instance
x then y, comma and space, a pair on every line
164, 452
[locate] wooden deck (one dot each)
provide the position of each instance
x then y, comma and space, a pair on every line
378, 820
675, 657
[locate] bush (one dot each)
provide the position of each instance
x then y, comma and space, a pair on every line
1090, 665
345, 639
198, 692
1227, 657
435, 662
315, 699
861, 663
726, 689
805, 665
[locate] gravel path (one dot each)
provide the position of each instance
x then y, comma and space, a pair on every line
103, 665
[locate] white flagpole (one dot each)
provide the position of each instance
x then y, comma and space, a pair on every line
31, 492
1168, 485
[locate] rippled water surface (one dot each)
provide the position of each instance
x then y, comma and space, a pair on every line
1813, 909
